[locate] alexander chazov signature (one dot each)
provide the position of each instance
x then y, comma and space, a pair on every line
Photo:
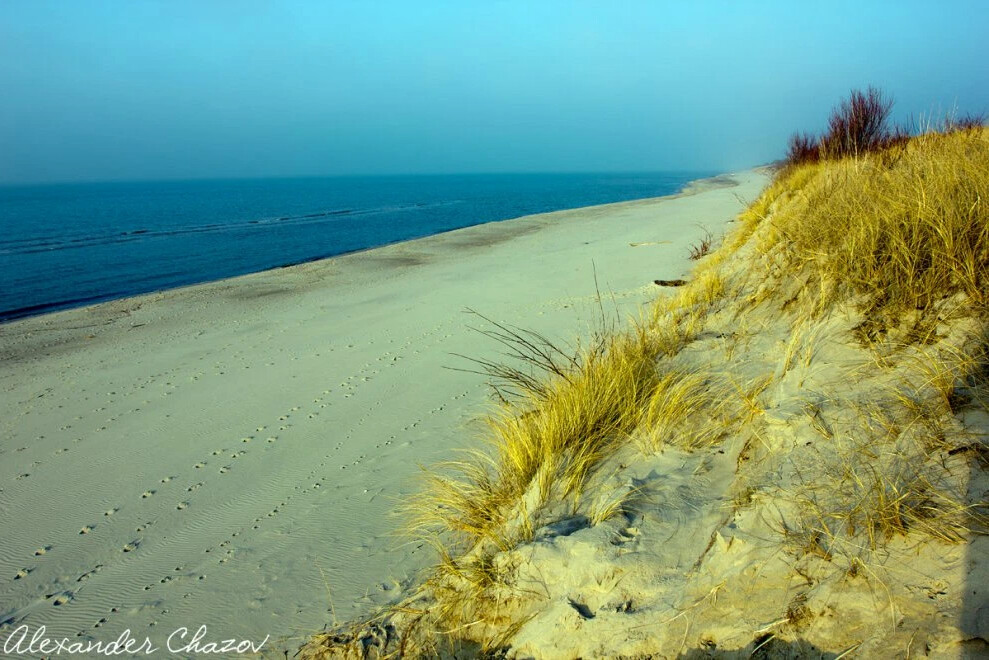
179, 641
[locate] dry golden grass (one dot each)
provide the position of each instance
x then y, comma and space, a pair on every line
872, 490
686, 409
902, 231
900, 237
544, 445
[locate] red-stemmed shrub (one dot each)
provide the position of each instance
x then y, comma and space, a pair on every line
859, 124
802, 148
969, 122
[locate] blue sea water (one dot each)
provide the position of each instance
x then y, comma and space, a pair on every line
68, 245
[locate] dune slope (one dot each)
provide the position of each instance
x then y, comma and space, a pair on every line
785, 458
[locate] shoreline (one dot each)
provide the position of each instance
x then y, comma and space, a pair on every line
7, 316
259, 430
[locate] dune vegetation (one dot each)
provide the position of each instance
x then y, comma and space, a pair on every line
783, 458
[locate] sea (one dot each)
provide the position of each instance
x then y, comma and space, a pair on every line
68, 245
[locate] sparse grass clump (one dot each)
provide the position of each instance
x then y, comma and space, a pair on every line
874, 488
702, 248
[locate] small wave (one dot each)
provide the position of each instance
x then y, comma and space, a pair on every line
32, 245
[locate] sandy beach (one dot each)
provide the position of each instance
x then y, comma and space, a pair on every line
231, 454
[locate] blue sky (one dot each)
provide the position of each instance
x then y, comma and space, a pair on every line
135, 89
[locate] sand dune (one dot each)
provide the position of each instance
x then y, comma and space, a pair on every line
783, 456
229, 454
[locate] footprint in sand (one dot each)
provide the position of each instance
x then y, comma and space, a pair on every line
146, 494
182, 505
42, 550
23, 573
110, 512
86, 529
62, 599
199, 465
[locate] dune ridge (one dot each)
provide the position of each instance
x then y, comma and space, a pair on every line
784, 458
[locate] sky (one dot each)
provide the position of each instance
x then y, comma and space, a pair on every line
94, 90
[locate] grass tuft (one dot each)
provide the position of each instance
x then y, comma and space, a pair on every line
703, 247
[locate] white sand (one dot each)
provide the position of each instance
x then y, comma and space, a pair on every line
229, 454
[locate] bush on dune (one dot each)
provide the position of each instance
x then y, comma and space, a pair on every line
857, 126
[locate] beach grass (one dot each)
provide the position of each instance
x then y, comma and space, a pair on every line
868, 247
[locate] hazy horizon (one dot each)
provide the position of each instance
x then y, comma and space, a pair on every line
154, 90
363, 175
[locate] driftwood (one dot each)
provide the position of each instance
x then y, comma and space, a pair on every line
669, 282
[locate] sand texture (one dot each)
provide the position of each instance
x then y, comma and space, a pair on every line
230, 454
783, 457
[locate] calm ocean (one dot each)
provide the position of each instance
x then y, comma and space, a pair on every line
73, 244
